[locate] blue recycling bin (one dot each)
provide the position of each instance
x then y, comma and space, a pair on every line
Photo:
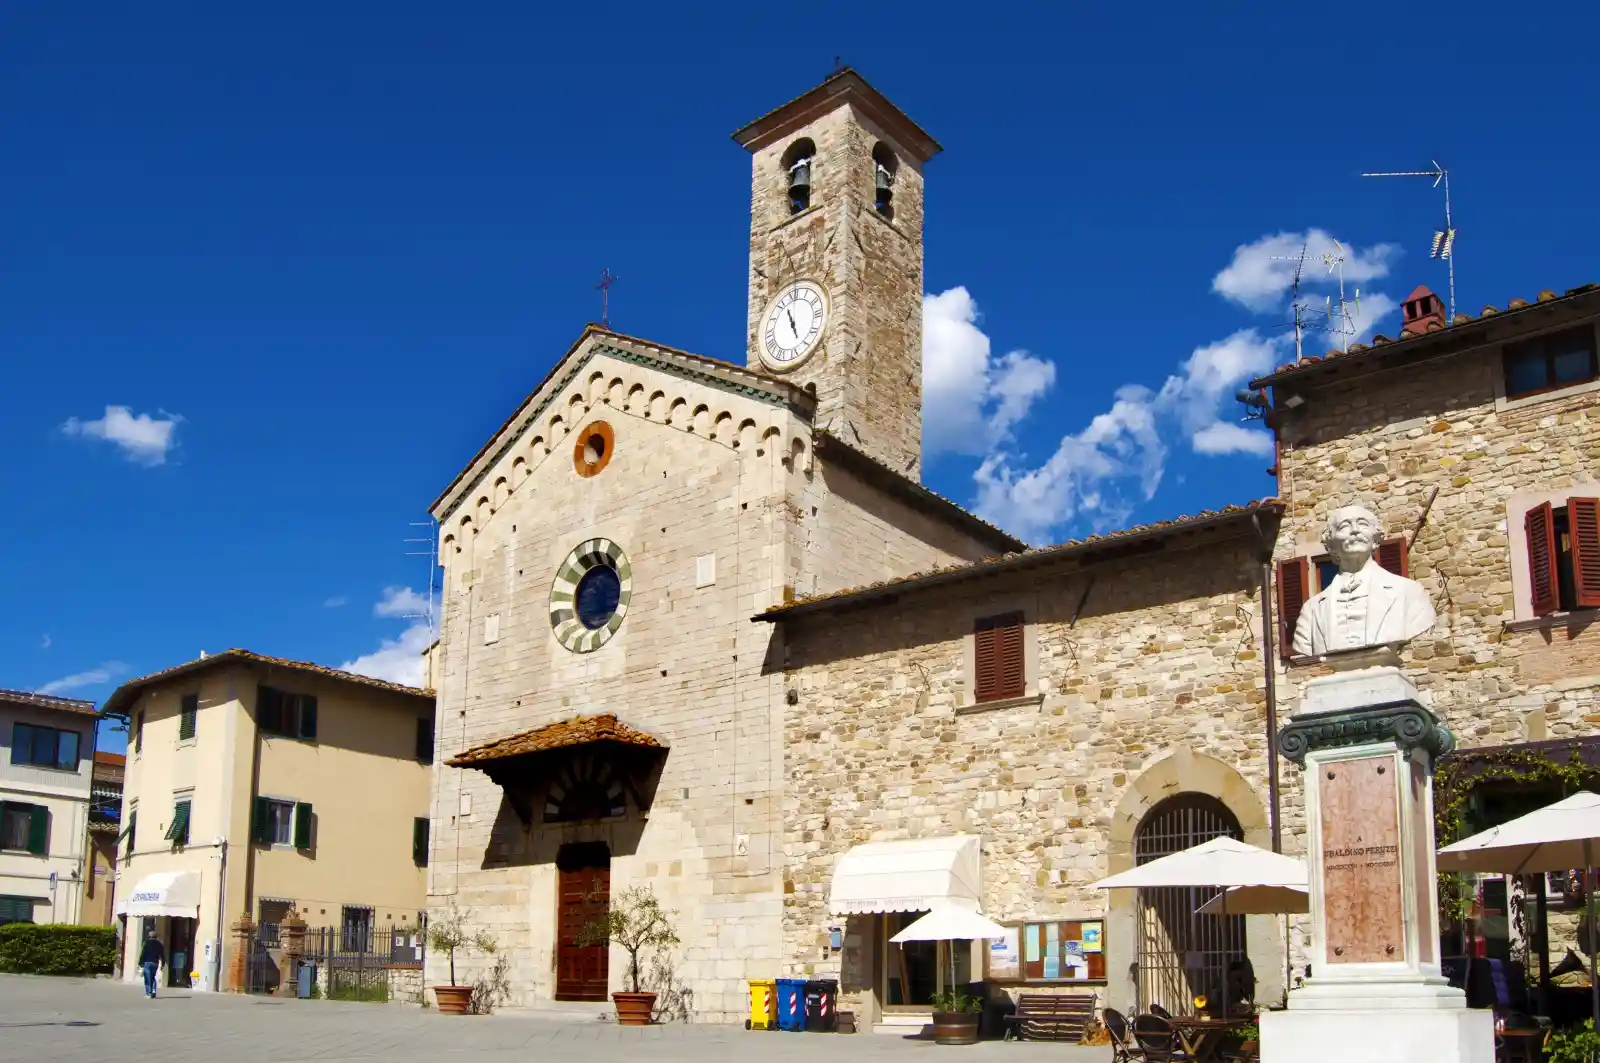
792, 1004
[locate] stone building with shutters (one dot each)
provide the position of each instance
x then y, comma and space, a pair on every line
703, 630
1477, 443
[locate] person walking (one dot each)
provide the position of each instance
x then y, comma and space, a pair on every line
151, 957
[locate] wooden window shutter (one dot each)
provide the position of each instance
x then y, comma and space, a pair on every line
998, 658
1294, 589
308, 716
1583, 524
269, 710
1539, 524
419, 842
187, 716
261, 821
39, 830
302, 826
133, 827
1391, 555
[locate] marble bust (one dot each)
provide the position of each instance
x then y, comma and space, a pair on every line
1366, 604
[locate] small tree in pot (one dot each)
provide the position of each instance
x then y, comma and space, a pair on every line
637, 922
448, 933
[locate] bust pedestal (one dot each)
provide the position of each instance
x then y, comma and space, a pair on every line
1367, 745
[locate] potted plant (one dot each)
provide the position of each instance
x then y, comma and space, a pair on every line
448, 933
636, 921
955, 1018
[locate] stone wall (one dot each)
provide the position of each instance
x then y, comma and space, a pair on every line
1387, 442
1157, 689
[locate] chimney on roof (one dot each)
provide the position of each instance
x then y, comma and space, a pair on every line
1422, 311
202, 655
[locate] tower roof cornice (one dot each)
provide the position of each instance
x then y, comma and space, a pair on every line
841, 87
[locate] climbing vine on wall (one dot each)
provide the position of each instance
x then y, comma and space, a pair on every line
1457, 778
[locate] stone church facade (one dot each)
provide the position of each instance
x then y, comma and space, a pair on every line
705, 631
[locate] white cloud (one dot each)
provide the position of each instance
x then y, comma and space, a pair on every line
45, 641
1261, 273
93, 677
337, 602
970, 399
400, 602
1099, 474
397, 660
143, 439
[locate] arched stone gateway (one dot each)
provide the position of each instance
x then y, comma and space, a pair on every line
1177, 801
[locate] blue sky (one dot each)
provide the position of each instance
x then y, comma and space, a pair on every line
245, 256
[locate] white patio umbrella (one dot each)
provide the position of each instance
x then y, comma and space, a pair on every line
1221, 862
951, 923
1557, 837
1258, 900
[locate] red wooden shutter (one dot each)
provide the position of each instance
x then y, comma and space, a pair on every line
997, 658
1391, 555
1583, 523
1541, 531
1294, 587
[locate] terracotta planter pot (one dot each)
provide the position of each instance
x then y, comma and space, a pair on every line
453, 999
634, 1009
955, 1027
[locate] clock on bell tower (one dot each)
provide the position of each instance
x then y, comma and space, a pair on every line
836, 261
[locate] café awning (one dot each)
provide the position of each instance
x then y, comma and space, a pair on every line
913, 875
172, 893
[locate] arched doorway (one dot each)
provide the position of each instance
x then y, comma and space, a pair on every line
1182, 955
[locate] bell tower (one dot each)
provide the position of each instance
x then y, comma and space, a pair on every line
836, 261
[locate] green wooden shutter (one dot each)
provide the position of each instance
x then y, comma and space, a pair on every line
16, 910
133, 825
419, 842
187, 716
308, 716
261, 823
39, 830
302, 826
178, 832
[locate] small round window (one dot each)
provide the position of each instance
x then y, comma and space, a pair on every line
589, 597
592, 451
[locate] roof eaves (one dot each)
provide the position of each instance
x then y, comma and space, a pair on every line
1112, 543
856, 460
123, 697
1409, 343
725, 375
48, 701
848, 83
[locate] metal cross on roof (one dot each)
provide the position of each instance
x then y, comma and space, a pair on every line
604, 288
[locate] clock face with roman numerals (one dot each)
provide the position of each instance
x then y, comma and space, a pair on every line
792, 327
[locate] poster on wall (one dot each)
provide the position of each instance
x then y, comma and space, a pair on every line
1005, 955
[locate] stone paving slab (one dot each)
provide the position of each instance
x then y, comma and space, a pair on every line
64, 1020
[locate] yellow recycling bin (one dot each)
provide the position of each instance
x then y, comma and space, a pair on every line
763, 1005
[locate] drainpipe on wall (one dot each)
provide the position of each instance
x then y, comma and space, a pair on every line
1264, 580
222, 894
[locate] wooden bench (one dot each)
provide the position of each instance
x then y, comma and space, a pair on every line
1050, 1017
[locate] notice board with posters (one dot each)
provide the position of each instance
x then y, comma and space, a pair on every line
1056, 950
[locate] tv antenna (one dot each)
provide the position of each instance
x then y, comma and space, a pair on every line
1294, 297
1444, 240
428, 615
1333, 258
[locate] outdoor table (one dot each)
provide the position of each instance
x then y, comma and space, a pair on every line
1201, 1037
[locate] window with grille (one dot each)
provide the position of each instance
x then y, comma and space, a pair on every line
997, 658
355, 928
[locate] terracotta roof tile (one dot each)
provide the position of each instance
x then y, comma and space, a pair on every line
115, 760
47, 701
973, 569
1545, 296
128, 692
578, 731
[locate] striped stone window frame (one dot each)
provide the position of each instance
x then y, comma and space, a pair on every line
570, 631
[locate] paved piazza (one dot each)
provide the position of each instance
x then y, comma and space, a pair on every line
66, 1020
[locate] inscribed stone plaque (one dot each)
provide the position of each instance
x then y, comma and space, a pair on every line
1365, 918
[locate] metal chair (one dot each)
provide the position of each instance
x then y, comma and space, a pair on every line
1157, 1039
1158, 1010
1123, 1050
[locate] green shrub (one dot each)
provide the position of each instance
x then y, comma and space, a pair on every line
57, 948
